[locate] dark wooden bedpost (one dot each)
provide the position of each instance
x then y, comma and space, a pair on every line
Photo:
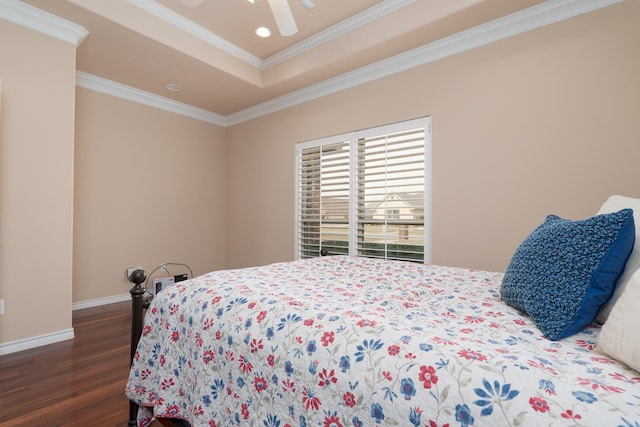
137, 305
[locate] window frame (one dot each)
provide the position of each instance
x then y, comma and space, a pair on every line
352, 138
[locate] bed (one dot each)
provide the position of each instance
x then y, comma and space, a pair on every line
351, 341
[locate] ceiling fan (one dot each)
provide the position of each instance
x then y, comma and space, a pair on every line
281, 12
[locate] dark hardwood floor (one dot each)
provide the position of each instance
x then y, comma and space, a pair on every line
79, 382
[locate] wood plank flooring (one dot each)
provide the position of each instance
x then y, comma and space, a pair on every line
79, 382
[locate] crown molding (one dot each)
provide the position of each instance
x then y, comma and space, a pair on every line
529, 19
337, 30
179, 21
517, 23
109, 87
41, 21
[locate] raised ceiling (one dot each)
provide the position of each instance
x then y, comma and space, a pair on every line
223, 68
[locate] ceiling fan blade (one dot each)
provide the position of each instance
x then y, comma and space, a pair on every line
284, 18
191, 3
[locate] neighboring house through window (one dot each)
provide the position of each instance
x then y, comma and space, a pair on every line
366, 193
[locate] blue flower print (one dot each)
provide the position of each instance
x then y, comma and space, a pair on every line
584, 396
463, 415
546, 385
372, 345
414, 417
345, 363
288, 368
407, 388
377, 413
270, 333
490, 393
629, 423
271, 421
311, 347
356, 422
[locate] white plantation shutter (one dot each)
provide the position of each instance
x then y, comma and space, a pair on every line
391, 195
365, 193
323, 198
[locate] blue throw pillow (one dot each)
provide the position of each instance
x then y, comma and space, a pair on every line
564, 271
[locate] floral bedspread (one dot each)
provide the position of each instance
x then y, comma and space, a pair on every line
347, 341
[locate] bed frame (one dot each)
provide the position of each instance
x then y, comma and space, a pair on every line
138, 305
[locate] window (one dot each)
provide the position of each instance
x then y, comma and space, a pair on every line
365, 193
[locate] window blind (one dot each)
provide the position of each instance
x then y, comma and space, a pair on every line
365, 193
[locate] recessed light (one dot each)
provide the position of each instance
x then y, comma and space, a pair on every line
173, 87
263, 32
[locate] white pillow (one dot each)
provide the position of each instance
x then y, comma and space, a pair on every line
619, 337
614, 204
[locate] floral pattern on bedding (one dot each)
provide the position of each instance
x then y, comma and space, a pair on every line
349, 341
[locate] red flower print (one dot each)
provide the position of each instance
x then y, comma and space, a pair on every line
230, 356
308, 322
387, 375
393, 350
173, 309
310, 400
327, 338
251, 305
519, 322
260, 384
140, 390
199, 340
245, 365
538, 404
410, 356
327, 378
434, 424
444, 341
173, 410
588, 344
167, 383
596, 385
428, 376
208, 356
271, 360
212, 423
175, 336
245, 411
473, 319
288, 385
472, 355
163, 360
260, 317
144, 374
332, 421
146, 331
349, 399
568, 414
363, 323
207, 324
256, 345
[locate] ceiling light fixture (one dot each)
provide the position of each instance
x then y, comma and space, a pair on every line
263, 32
173, 87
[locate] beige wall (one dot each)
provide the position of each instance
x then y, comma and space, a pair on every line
36, 178
540, 123
544, 122
150, 188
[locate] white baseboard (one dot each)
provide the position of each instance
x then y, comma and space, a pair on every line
100, 301
40, 340
54, 337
